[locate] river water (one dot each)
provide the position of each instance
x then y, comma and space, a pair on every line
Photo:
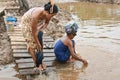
98, 41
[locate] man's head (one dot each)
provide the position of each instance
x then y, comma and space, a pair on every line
71, 28
48, 8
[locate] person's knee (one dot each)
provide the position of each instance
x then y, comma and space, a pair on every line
31, 49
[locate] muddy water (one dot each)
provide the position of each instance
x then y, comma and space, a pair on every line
98, 41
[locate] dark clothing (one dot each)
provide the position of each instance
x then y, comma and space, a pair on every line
62, 51
39, 55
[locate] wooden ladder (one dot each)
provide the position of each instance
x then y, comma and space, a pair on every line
23, 59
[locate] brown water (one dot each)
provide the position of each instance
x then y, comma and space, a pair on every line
98, 41
104, 13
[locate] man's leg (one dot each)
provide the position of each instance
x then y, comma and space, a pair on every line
40, 37
32, 52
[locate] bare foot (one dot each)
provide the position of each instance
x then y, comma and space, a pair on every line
43, 66
40, 68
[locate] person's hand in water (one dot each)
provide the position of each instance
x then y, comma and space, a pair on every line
85, 64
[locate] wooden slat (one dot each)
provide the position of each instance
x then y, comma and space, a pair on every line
24, 60
25, 65
51, 46
48, 40
31, 65
15, 34
21, 55
19, 43
32, 71
25, 51
28, 60
18, 39
28, 71
8, 78
19, 47
25, 55
45, 37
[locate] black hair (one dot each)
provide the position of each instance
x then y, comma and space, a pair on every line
71, 31
48, 6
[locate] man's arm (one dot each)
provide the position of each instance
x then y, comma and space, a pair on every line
34, 31
52, 3
44, 25
73, 53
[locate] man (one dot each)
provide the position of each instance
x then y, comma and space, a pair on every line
64, 48
33, 22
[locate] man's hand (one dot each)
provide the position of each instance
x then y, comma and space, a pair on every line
85, 63
39, 47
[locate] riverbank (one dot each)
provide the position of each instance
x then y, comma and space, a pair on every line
100, 45
103, 65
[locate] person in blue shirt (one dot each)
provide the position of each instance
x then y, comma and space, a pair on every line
64, 47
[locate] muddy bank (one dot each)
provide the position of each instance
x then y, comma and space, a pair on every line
103, 1
5, 48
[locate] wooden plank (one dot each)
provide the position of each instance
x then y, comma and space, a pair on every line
48, 46
21, 39
14, 32
25, 51
15, 35
17, 40
9, 78
19, 47
28, 71
32, 71
25, 55
51, 46
48, 39
24, 60
31, 65
20, 43
21, 55
25, 65
28, 60
49, 59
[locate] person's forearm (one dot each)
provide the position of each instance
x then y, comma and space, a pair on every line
36, 40
44, 27
35, 33
77, 57
52, 2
